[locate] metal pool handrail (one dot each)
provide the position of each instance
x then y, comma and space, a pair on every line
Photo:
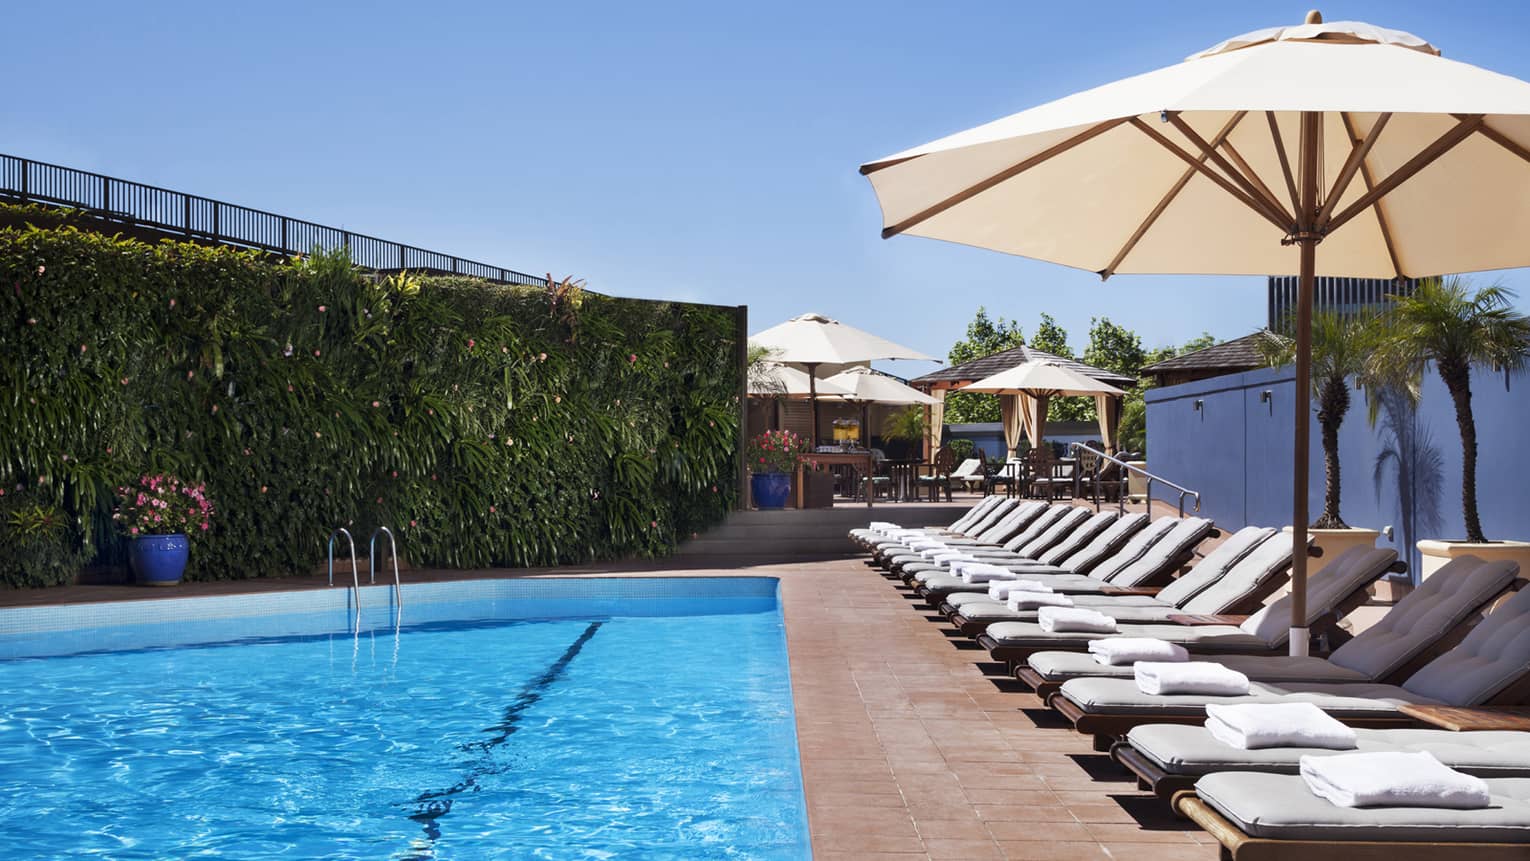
398, 589
1150, 478
355, 576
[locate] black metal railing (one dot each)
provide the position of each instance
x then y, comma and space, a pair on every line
1129, 470
134, 204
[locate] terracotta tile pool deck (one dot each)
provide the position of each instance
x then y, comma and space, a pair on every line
913, 744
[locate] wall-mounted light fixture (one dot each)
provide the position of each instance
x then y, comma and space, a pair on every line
1268, 397
1199, 405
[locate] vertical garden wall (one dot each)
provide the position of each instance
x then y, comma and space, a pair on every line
489, 426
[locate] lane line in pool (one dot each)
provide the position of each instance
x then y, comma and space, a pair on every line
430, 806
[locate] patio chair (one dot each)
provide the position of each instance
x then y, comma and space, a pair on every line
1491, 665
1044, 519
1426, 622
970, 474
937, 583
939, 477
1332, 593
867, 536
1043, 474
1275, 817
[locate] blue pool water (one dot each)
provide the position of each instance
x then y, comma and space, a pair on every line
467, 734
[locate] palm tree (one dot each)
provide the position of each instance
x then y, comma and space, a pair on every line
1444, 322
1340, 344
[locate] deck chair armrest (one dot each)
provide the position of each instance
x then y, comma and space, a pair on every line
1192, 619
1130, 590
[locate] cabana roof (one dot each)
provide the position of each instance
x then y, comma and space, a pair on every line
987, 366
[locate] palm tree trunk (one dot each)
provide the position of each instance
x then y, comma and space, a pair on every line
1333, 403
1457, 379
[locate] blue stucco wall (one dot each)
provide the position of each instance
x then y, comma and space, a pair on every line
1236, 450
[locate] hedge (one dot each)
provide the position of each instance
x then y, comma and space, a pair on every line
487, 425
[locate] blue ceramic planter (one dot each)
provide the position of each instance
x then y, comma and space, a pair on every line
770, 489
159, 560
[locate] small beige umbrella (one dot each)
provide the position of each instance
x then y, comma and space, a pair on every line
811, 340
1242, 160
789, 382
1034, 384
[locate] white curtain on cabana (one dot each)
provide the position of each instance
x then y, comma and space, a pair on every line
1108, 407
937, 424
1014, 422
1034, 409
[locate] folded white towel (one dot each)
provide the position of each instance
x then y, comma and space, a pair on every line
952, 556
1124, 651
883, 526
1206, 678
1057, 620
1002, 589
1388, 779
982, 572
1020, 599
925, 544
1253, 726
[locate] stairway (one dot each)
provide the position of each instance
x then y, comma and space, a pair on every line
791, 535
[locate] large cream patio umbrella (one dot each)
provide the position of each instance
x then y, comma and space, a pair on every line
789, 382
1242, 160
1029, 387
866, 387
811, 340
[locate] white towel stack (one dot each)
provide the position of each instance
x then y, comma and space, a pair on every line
1205, 678
1387, 779
981, 572
1124, 651
883, 527
1254, 726
1002, 589
1059, 620
923, 544
932, 552
1020, 599
952, 556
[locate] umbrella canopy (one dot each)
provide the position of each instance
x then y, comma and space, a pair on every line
1042, 378
792, 383
813, 339
1030, 386
1343, 148
868, 386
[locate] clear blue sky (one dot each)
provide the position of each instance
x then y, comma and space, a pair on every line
703, 151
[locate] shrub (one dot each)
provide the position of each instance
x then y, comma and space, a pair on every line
488, 425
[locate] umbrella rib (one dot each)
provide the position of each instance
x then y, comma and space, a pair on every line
1232, 172
1248, 171
1221, 181
1370, 183
1285, 162
1357, 155
1443, 144
1502, 140
1168, 198
1003, 176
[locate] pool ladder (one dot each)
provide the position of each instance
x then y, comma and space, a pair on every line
398, 590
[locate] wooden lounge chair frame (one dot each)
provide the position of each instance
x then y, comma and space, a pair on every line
1237, 845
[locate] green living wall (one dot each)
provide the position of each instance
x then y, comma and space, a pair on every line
487, 425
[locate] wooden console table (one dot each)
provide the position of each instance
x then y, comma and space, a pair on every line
861, 459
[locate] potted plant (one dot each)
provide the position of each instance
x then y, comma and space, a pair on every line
1340, 345
1448, 324
160, 514
773, 456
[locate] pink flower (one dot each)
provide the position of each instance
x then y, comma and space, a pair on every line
190, 374
289, 387
262, 488
412, 523
204, 526
541, 357
172, 303
472, 343
491, 509
376, 404
215, 408
41, 270
653, 524
379, 500
322, 309
316, 354
632, 358
124, 381
133, 530
395, 473
31, 321
82, 349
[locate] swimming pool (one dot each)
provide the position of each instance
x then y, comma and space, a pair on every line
555, 718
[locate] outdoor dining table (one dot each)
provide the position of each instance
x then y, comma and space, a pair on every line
900, 476
861, 460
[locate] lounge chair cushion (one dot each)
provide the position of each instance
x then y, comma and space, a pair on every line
1108, 567
1281, 806
1429, 612
1494, 655
1059, 667
1191, 750
1169, 550
1201, 638
1215, 564
1352, 570
1120, 696
1104, 545
1249, 576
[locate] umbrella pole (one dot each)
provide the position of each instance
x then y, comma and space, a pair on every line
1306, 240
812, 369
